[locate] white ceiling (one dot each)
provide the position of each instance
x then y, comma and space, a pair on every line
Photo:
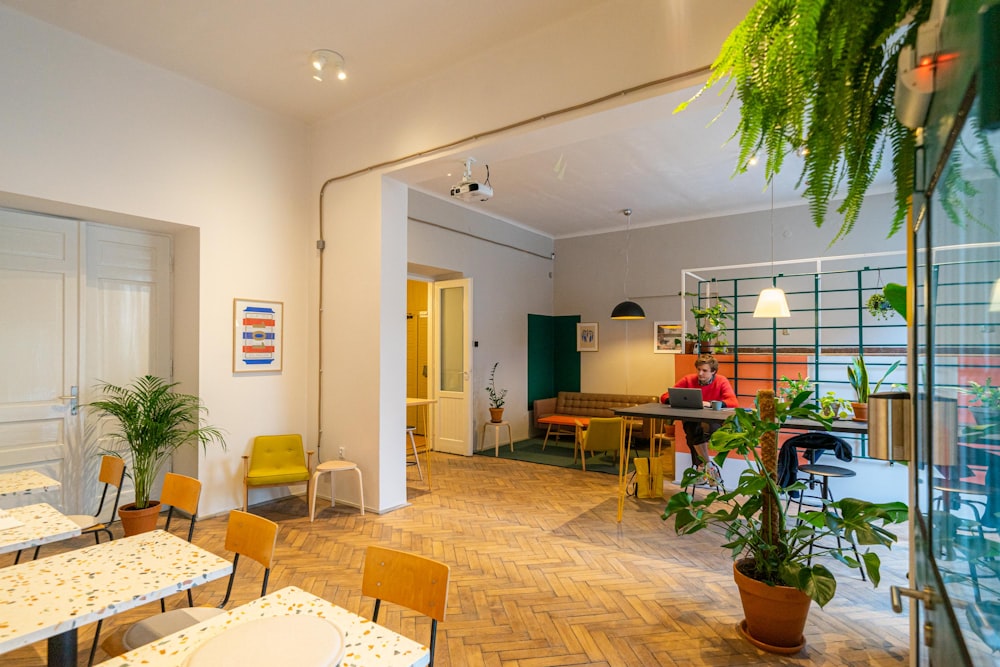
562, 182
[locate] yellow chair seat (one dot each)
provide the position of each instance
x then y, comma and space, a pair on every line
277, 476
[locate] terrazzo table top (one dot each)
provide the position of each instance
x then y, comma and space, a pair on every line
368, 644
42, 524
53, 595
22, 482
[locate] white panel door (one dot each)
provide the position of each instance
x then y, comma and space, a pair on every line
453, 365
39, 266
128, 306
122, 329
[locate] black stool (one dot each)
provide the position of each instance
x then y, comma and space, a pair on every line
824, 473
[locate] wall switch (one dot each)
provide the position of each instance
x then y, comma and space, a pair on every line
340, 453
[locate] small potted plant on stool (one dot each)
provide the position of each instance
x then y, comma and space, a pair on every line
497, 397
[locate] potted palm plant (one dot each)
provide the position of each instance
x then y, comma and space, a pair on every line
497, 397
857, 374
153, 421
773, 561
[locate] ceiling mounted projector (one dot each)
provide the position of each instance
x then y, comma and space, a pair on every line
470, 190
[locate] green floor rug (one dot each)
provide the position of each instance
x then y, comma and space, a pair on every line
558, 453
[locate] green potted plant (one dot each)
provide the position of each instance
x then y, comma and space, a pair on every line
793, 388
774, 562
497, 397
153, 421
986, 398
834, 407
711, 324
857, 374
879, 307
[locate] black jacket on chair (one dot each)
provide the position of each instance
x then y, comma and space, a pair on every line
816, 443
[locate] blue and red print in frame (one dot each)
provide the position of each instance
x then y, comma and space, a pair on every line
257, 339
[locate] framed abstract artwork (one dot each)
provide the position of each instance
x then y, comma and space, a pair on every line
667, 338
257, 336
586, 337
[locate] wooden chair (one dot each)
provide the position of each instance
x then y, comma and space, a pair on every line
605, 434
248, 535
415, 582
180, 492
276, 460
112, 473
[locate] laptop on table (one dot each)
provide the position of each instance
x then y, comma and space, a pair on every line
686, 398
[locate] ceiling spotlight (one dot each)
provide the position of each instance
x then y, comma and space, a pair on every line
324, 61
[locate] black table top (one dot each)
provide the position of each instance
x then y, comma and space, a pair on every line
661, 411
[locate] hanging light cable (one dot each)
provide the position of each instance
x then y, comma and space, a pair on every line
771, 303
627, 310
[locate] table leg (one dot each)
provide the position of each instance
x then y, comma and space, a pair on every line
62, 649
624, 450
428, 441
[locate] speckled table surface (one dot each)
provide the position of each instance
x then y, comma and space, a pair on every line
367, 644
24, 482
56, 595
41, 524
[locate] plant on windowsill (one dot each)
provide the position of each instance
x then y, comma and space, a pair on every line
153, 422
497, 397
774, 561
857, 373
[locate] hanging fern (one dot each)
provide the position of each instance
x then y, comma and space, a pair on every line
818, 76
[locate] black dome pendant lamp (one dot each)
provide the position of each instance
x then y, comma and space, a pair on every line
627, 310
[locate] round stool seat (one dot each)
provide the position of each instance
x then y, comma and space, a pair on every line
331, 466
826, 471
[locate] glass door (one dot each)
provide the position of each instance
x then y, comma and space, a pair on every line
955, 367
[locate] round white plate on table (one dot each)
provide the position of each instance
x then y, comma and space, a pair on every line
301, 640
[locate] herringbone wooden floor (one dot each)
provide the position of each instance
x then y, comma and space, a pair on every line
542, 575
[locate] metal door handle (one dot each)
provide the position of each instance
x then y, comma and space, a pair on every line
73, 398
896, 593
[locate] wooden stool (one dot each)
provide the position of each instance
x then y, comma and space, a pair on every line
333, 467
496, 435
416, 456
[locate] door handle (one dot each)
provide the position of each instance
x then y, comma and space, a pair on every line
896, 593
73, 398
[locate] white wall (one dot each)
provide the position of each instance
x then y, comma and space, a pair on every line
508, 282
86, 131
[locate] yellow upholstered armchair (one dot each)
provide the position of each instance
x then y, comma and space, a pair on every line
276, 460
603, 434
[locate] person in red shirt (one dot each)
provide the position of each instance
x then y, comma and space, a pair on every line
714, 387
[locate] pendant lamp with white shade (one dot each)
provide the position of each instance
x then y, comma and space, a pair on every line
627, 309
771, 303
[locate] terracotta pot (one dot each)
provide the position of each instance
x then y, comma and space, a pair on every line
775, 615
689, 347
139, 521
860, 411
496, 415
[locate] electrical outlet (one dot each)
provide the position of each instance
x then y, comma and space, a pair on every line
340, 453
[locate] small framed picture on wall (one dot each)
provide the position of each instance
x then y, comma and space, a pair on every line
586, 337
667, 338
257, 336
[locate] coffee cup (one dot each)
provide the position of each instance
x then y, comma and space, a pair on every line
716, 405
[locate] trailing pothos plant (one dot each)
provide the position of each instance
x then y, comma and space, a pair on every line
818, 77
751, 520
